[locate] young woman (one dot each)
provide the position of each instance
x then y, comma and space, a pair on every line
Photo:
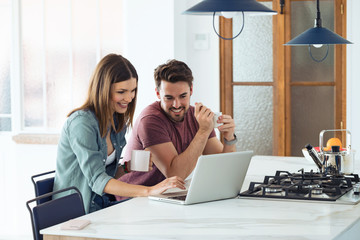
93, 137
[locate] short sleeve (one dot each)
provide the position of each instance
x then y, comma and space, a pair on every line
152, 130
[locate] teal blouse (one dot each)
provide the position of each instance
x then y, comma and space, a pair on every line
81, 157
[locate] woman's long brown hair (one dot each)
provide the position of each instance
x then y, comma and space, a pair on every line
111, 69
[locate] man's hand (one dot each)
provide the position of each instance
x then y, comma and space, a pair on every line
204, 116
228, 128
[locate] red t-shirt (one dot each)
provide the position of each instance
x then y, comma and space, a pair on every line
153, 127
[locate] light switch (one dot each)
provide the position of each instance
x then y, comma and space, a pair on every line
201, 41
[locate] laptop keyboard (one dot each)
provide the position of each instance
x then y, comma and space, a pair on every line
179, 197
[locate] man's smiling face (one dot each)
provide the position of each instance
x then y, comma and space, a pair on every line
175, 99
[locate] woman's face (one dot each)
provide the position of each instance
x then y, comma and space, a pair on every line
122, 93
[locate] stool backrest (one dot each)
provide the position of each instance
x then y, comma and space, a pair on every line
43, 185
55, 211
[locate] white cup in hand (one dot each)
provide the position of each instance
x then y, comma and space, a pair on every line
140, 160
216, 117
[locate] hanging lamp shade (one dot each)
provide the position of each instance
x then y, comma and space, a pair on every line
209, 7
317, 35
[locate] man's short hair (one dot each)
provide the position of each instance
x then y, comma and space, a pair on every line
173, 71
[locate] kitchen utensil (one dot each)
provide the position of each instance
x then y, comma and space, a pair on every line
337, 160
310, 154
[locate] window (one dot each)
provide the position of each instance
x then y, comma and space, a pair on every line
56, 45
5, 40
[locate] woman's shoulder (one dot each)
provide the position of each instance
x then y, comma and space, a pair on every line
83, 117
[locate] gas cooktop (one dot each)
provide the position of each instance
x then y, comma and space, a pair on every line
307, 186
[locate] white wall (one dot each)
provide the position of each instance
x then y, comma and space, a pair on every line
353, 74
164, 33
161, 33
20, 162
149, 41
203, 62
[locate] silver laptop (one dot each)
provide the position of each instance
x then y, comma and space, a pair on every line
215, 177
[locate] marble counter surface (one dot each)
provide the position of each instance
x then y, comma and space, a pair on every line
241, 218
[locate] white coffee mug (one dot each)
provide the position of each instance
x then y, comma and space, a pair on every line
140, 160
216, 117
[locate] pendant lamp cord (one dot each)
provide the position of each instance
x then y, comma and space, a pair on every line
242, 28
319, 25
318, 16
319, 60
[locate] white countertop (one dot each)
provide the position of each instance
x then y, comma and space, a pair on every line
140, 218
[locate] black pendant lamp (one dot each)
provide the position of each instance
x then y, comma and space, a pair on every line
317, 37
229, 9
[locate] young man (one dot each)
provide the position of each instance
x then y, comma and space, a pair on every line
175, 132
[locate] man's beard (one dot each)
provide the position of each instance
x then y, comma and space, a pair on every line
180, 119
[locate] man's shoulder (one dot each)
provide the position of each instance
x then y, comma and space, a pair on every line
152, 108
152, 111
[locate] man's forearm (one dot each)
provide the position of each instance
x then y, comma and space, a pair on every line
184, 163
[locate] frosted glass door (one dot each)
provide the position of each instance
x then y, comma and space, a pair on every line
253, 77
312, 106
280, 98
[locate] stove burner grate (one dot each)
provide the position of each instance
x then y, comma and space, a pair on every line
303, 186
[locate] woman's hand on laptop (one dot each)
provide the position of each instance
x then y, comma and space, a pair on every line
172, 182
